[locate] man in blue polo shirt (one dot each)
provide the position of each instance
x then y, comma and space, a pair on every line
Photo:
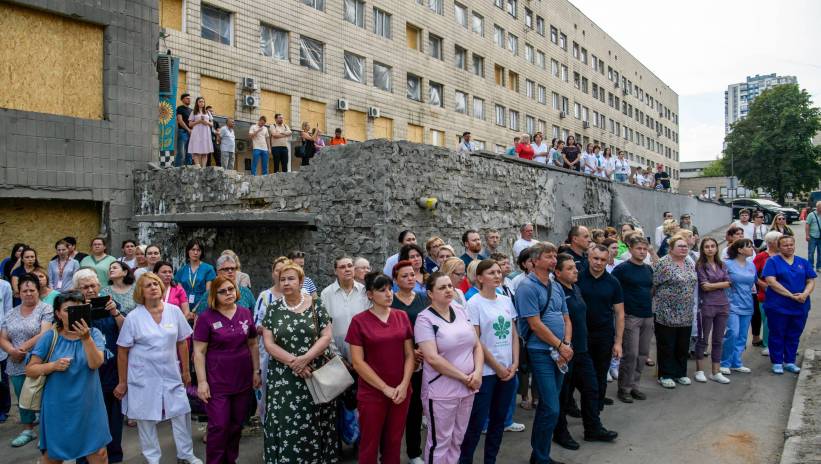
605, 322
473, 247
545, 327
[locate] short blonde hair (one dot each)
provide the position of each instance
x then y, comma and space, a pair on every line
281, 259
471, 271
233, 255
450, 265
432, 241
138, 290
293, 267
446, 247
669, 226
686, 233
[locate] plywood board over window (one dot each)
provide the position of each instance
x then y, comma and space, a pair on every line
50, 64
382, 128
312, 112
272, 103
182, 84
355, 126
171, 14
220, 94
416, 133
40, 223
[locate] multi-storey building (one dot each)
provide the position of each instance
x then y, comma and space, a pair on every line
739, 97
425, 71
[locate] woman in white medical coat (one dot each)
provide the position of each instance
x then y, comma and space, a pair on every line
151, 386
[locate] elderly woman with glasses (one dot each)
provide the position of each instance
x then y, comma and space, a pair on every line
152, 348
227, 363
227, 267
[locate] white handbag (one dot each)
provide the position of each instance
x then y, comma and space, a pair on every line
330, 380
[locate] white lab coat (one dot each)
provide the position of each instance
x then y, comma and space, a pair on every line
154, 381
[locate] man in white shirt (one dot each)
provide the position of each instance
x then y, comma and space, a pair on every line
745, 224
525, 241
227, 144
260, 137
660, 229
406, 237
622, 168
466, 146
343, 299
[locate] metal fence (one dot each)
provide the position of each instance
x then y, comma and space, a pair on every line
591, 221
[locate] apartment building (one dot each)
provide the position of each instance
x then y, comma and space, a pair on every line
739, 97
425, 71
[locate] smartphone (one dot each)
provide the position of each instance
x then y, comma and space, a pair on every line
76, 313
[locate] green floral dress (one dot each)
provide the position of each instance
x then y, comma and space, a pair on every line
296, 429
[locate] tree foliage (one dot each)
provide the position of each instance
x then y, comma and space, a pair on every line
771, 148
714, 169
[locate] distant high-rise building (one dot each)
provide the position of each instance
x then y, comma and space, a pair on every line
738, 97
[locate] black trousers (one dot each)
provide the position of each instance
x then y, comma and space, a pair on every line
413, 424
280, 156
580, 375
601, 352
756, 321
672, 348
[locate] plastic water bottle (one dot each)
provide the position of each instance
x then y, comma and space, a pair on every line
555, 355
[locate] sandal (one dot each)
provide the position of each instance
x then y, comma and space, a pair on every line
24, 438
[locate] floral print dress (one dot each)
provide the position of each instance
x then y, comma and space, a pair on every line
675, 288
296, 429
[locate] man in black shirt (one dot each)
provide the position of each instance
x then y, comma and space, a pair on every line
636, 279
662, 177
605, 315
579, 240
581, 374
183, 132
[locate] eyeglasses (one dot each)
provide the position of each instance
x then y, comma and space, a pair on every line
227, 269
225, 291
458, 274
780, 218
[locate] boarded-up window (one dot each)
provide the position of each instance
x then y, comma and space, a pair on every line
355, 125
220, 94
38, 222
416, 133
382, 128
50, 64
182, 84
272, 103
171, 14
312, 112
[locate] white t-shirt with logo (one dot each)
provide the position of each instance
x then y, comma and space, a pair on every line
495, 319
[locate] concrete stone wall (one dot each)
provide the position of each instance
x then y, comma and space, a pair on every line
58, 157
363, 195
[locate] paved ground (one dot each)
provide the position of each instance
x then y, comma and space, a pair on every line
742, 422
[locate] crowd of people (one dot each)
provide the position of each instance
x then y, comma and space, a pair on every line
592, 159
433, 340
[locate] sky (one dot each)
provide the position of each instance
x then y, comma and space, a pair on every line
700, 47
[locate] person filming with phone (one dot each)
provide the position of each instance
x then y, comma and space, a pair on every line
72, 409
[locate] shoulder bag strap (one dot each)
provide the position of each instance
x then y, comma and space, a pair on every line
817, 222
53, 343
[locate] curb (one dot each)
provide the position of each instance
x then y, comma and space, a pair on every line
795, 423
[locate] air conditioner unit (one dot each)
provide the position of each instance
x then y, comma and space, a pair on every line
249, 83
251, 101
342, 104
373, 112
586, 125
562, 115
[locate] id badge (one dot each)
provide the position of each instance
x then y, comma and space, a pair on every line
191, 299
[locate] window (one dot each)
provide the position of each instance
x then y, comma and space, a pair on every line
381, 23
565, 134
353, 11
540, 60
564, 73
435, 94
478, 65
575, 50
585, 114
318, 4
460, 57
498, 36
499, 75
514, 120
563, 41
478, 108
437, 137
530, 124
513, 43
528, 18
513, 81
554, 35
594, 62
565, 105
555, 101
413, 34
478, 24
414, 87
500, 115
595, 119
461, 14
577, 110
273, 42
542, 95
435, 46
540, 25
216, 25
584, 55
584, 84
382, 77
530, 54
530, 89
577, 80
543, 127
512, 6
437, 6
354, 67
311, 53
461, 103
554, 67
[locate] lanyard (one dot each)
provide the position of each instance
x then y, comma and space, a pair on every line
192, 278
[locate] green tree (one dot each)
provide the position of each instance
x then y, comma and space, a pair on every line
714, 169
771, 148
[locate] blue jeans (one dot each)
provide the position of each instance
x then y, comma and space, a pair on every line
491, 404
621, 178
262, 157
548, 380
735, 339
510, 410
181, 154
814, 252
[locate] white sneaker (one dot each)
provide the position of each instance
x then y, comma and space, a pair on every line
515, 427
416, 460
719, 378
742, 369
765, 352
609, 377
700, 377
667, 383
193, 460
725, 370
684, 380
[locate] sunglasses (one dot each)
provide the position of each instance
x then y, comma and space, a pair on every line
225, 291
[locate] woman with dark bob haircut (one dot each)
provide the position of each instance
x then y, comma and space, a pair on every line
196, 275
121, 286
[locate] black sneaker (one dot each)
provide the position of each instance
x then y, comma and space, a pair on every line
624, 397
638, 395
601, 435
